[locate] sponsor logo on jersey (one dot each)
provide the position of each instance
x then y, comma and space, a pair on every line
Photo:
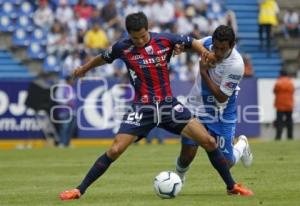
149, 50
163, 50
178, 108
230, 85
137, 57
126, 51
235, 76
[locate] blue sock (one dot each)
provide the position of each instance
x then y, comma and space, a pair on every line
219, 162
98, 169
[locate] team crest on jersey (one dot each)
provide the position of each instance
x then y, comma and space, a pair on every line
126, 51
178, 108
230, 85
149, 50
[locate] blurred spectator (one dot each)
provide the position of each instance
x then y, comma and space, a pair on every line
83, 9
110, 15
230, 20
290, 25
66, 98
58, 42
248, 66
202, 24
201, 6
43, 16
268, 10
145, 6
70, 31
184, 22
111, 18
163, 14
298, 62
214, 9
80, 41
53, 37
95, 18
141, 5
77, 27
196, 32
64, 12
96, 39
284, 103
71, 62
213, 23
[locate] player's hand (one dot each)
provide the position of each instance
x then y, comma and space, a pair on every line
178, 49
206, 63
78, 72
208, 59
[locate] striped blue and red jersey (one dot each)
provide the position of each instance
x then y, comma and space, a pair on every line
148, 66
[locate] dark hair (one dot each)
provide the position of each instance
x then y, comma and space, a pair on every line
136, 21
283, 73
224, 33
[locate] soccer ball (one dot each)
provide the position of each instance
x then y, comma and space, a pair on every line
167, 184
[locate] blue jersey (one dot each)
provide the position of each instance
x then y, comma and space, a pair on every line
218, 118
227, 76
148, 66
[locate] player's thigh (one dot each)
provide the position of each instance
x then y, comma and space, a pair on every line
197, 132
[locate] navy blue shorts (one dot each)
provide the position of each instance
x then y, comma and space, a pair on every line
171, 116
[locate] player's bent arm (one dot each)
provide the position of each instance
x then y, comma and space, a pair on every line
94, 62
198, 47
214, 88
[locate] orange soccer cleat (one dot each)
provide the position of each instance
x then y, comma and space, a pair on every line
238, 189
70, 194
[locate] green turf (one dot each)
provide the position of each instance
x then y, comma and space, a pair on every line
35, 177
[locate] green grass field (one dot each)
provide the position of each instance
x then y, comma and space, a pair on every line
35, 177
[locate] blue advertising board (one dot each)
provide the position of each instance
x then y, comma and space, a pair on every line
100, 106
16, 120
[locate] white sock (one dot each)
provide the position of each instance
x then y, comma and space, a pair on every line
238, 150
181, 169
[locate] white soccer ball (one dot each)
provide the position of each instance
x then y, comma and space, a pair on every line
167, 184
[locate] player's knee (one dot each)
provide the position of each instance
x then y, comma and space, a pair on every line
230, 161
210, 144
114, 152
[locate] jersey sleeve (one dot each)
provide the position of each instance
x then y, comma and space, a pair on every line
232, 78
112, 53
179, 39
206, 42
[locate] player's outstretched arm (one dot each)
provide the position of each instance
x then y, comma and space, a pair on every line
83, 69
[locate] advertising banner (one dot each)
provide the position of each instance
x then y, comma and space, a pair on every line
16, 120
100, 107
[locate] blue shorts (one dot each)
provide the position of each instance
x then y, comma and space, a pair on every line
171, 116
223, 133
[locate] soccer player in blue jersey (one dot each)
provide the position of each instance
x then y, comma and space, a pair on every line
213, 100
146, 55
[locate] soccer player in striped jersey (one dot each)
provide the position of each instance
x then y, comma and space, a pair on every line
146, 55
213, 100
